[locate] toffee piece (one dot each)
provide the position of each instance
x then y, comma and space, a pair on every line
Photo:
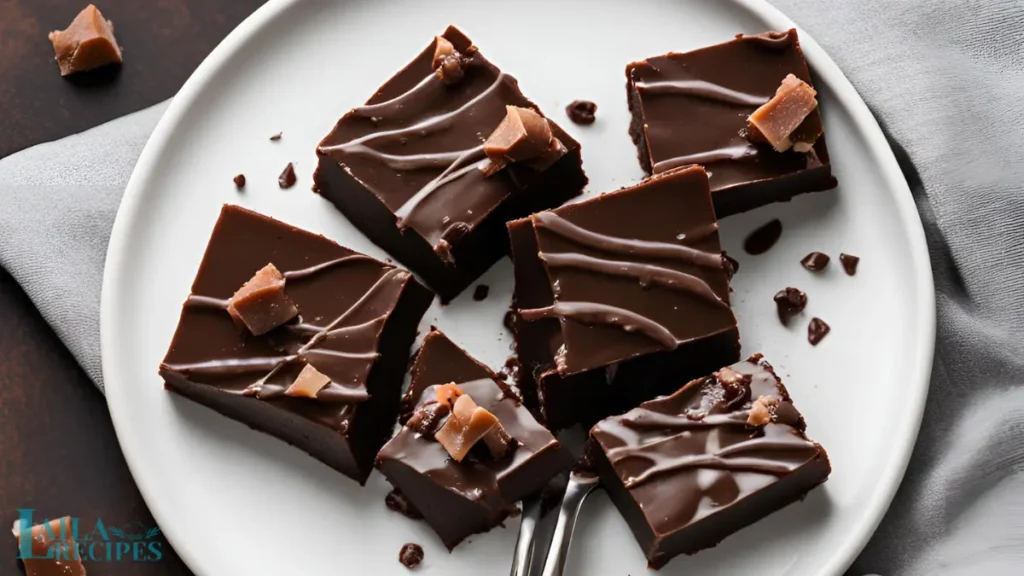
410, 169
619, 297
724, 451
460, 498
50, 550
86, 44
692, 108
328, 381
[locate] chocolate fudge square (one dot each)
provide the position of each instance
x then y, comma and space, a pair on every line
689, 469
692, 108
407, 167
462, 498
327, 381
620, 297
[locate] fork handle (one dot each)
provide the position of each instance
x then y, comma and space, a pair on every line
524, 546
575, 494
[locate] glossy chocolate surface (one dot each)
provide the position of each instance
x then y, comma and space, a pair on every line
458, 499
357, 317
622, 277
692, 108
690, 469
405, 167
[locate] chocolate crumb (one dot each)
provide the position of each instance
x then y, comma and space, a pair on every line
510, 320
789, 302
817, 330
411, 555
849, 262
581, 111
239, 181
815, 261
397, 502
287, 178
732, 266
761, 240
510, 371
481, 291
276, 137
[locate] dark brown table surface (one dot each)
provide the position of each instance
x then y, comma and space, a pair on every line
58, 452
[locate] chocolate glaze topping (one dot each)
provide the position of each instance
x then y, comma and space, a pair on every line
691, 454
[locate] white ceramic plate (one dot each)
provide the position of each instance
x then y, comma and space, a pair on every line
233, 501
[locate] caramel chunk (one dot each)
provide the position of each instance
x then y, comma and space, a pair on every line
778, 121
447, 394
448, 62
523, 136
468, 425
86, 44
427, 419
762, 411
261, 304
442, 49
53, 548
308, 383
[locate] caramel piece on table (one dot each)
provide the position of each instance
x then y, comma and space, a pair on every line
261, 304
777, 122
53, 539
86, 44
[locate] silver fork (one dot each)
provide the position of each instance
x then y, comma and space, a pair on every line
581, 484
579, 487
523, 558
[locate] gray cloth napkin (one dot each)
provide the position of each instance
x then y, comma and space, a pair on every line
945, 79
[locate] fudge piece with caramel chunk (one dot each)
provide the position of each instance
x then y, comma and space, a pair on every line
410, 168
470, 450
692, 108
296, 336
724, 451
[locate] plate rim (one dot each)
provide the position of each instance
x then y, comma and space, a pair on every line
823, 67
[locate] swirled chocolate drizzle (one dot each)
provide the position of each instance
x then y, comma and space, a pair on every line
633, 271
692, 108
594, 313
702, 89
344, 300
689, 455
429, 136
